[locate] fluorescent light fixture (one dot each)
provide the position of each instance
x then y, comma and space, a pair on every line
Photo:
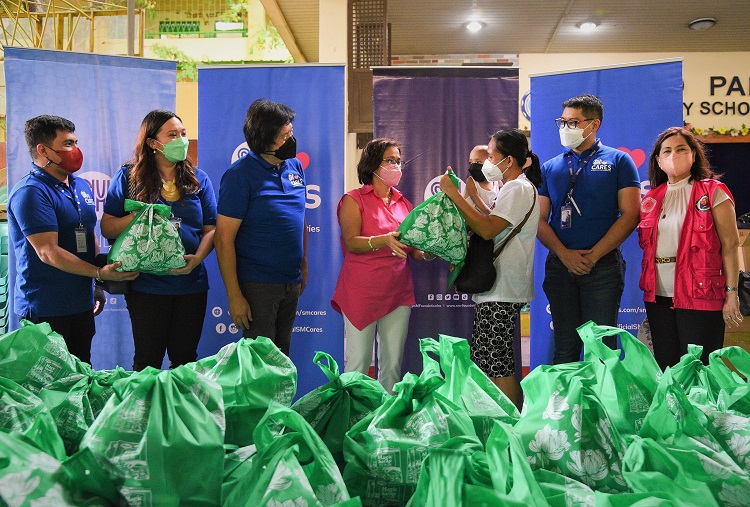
474, 26
588, 26
702, 23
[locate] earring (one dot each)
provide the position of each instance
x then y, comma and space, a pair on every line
154, 151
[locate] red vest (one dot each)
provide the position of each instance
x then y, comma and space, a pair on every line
699, 273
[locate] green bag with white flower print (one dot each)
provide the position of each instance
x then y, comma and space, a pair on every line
437, 227
292, 466
565, 428
150, 243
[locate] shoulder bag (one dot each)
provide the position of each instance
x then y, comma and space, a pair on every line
478, 273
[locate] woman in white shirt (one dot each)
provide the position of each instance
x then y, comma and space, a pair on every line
511, 162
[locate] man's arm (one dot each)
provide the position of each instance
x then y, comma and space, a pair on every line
46, 247
226, 254
575, 260
629, 202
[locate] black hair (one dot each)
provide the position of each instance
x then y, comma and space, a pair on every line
43, 130
263, 121
513, 143
372, 157
701, 168
590, 105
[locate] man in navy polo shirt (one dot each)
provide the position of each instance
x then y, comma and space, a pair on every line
51, 216
589, 203
261, 236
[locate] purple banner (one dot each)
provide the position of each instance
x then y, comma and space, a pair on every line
438, 115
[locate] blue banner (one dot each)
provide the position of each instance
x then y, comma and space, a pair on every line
316, 94
106, 97
438, 115
640, 101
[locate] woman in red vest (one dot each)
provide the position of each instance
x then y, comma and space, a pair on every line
688, 232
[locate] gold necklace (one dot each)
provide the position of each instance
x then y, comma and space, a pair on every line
169, 191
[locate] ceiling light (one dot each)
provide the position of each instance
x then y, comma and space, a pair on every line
588, 26
702, 23
474, 26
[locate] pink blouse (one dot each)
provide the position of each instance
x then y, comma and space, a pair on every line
373, 284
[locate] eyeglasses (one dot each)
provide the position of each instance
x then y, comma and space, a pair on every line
284, 137
392, 161
571, 124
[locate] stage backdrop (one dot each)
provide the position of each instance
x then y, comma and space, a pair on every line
438, 115
106, 97
316, 94
640, 101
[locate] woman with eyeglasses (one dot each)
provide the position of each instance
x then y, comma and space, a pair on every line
374, 292
688, 232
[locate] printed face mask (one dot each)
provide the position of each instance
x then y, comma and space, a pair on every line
475, 171
176, 149
389, 174
70, 161
492, 172
287, 150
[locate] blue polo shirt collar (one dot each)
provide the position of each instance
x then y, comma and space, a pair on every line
597, 144
268, 166
50, 180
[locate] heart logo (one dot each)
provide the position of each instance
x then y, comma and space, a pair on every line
638, 155
304, 159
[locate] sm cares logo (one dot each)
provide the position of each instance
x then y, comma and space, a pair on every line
312, 191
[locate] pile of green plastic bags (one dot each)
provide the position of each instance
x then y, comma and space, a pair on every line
611, 430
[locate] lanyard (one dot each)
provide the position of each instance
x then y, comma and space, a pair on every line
582, 163
72, 197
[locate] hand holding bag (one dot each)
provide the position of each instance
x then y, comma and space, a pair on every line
478, 273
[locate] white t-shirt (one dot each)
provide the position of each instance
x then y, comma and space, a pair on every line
488, 196
515, 265
672, 216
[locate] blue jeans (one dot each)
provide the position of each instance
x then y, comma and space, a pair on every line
577, 299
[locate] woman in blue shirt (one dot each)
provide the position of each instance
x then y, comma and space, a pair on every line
166, 311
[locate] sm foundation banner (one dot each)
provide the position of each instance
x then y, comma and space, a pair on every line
438, 115
640, 101
316, 94
106, 97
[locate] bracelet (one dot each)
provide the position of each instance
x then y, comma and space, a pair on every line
98, 275
727, 288
369, 242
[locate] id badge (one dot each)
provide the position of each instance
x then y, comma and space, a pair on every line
566, 217
176, 221
80, 240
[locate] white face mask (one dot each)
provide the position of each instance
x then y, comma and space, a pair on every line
572, 138
492, 172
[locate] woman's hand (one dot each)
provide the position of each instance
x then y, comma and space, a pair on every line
447, 186
397, 248
191, 262
731, 310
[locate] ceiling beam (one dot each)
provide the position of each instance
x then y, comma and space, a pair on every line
279, 21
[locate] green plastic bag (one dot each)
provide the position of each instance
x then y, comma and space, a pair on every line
734, 390
624, 386
294, 468
150, 243
32, 478
332, 409
164, 431
565, 428
467, 386
384, 451
238, 463
682, 430
35, 356
77, 400
695, 378
24, 414
437, 227
251, 373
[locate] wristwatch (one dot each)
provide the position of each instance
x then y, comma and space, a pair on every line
727, 288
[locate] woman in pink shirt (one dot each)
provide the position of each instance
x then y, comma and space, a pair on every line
374, 291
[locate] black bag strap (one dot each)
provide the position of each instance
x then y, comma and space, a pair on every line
131, 182
516, 230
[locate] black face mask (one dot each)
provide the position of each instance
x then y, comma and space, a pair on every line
475, 170
287, 150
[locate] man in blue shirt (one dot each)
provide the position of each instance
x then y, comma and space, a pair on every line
261, 237
589, 203
51, 217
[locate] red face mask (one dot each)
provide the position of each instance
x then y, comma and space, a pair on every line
70, 161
